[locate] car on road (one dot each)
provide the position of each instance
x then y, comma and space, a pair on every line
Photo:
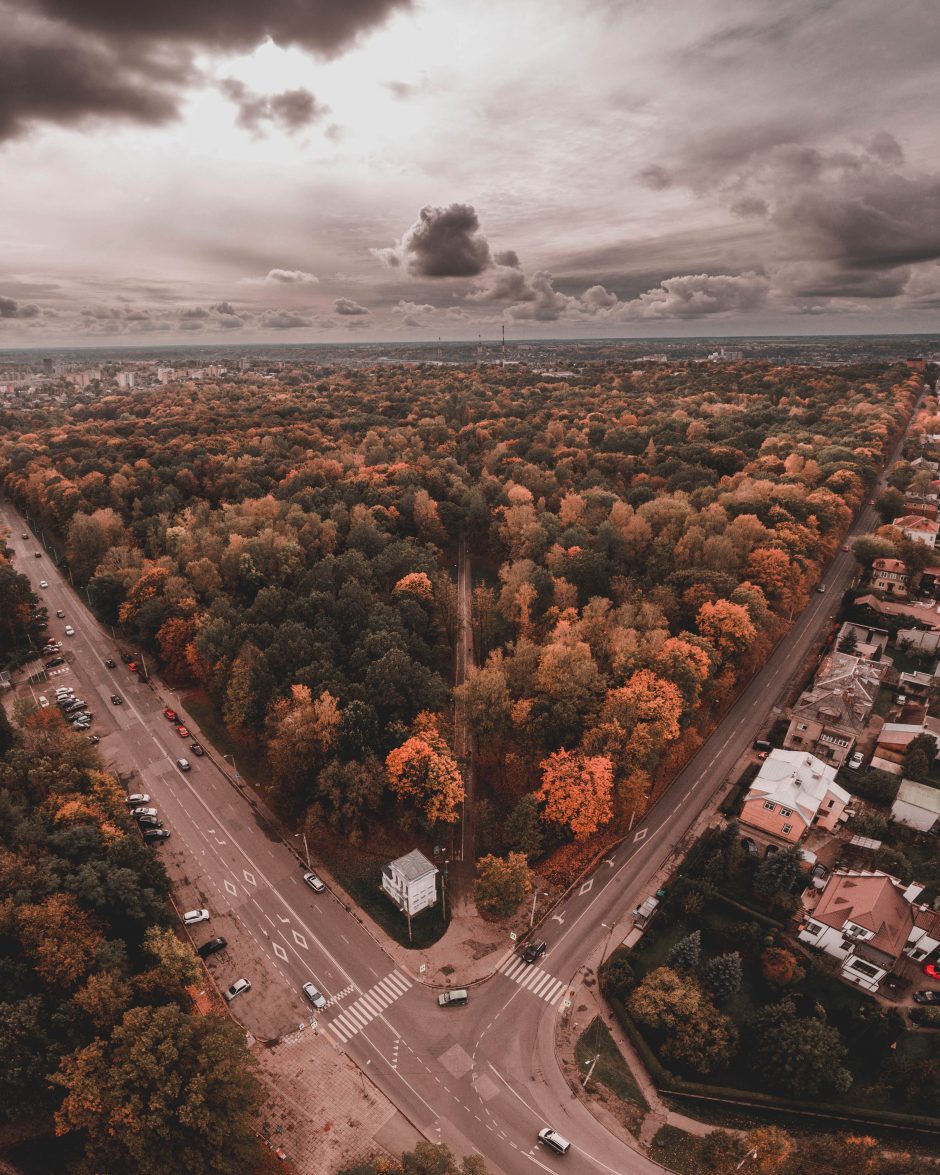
93, 739
171, 714
60, 613
191, 917
554, 1141
43, 583
133, 666
126, 658
145, 822
927, 997
182, 731
184, 764
24, 535
821, 588
110, 663
69, 630
54, 662
117, 700
533, 951
453, 999
210, 947
846, 547
314, 995
239, 986
197, 749
314, 882
43, 701
38, 554
137, 798
143, 811
932, 969
152, 834
857, 760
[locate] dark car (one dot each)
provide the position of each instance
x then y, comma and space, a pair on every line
117, 700
149, 822
55, 661
196, 748
534, 951
38, 554
210, 947
126, 658
110, 663
927, 997
152, 834
24, 535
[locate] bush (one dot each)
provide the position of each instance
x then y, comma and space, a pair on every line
617, 975
927, 1017
878, 787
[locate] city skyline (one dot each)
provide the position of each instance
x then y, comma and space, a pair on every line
387, 170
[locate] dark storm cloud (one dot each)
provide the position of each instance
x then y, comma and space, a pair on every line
349, 308
443, 242
283, 320
291, 110
65, 61
10, 308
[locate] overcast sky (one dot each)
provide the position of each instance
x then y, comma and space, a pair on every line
337, 169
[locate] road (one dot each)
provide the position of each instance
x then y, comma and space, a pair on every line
482, 1078
465, 865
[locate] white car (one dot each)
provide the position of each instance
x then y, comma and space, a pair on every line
183, 764
43, 583
316, 997
191, 917
64, 691
143, 811
314, 882
138, 798
69, 630
236, 989
857, 760
43, 701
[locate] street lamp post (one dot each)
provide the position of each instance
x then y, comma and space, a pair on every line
231, 759
535, 897
144, 663
306, 850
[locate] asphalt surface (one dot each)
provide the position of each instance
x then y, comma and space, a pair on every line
483, 1077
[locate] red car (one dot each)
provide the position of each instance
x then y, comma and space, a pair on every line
182, 731
171, 715
133, 666
932, 969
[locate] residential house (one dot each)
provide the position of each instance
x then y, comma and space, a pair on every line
925, 507
411, 882
793, 792
918, 529
916, 685
889, 576
917, 805
893, 740
918, 640
866, 642
828, 718
869, 920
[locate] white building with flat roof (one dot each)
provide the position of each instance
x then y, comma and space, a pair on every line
411, 882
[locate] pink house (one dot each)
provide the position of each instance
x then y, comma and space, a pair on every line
793, 792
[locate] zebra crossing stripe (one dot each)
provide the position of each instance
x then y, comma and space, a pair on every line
357, 1016
551, 995
372, 1004
338, 1033
533, 979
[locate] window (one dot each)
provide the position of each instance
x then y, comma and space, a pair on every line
786, 811
787, 828
865, 968
801, 726
770, 806
831, 804
812, 927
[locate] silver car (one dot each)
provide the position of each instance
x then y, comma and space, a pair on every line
315, 996
239, 986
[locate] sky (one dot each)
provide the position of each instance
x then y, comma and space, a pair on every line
332, 170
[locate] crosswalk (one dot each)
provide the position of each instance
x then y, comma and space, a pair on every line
533, 979
370, 1004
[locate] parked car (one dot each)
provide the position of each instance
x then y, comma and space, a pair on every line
93, 739
191, 917
110, 663
43, 701
857, 760
927, 997
60, 613
932, 969
138, 798
239, 986
43, 583
184, 764
143, 811
126, 658
117, 700
38, 554
171, 714
145, 822
197, 749
24, 535
69, 630
54, 662
314, 882
533, 951
62, 690
182, 731
152, 834
821, 588
453, 999
210, 947
133, 666
900, 699
315, 996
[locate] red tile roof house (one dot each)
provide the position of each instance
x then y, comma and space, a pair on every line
869, 921
889, 576
918, 529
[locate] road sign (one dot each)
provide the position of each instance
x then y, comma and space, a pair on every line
513, 935
566, 1003
422, 968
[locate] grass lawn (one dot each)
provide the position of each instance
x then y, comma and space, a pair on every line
611, 1069
250, 760
675, 1150
360, 874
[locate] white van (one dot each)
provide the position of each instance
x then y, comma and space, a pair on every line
554, 1141
455, 998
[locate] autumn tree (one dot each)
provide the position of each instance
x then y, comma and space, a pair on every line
577, 791
59, 938
301, 732
727, 626
501, 884
800, 1056
424, 772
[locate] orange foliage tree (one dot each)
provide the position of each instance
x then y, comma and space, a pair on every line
424, 771
727, 626
577, 791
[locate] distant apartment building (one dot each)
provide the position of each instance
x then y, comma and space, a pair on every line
918, 529
869, 921
829, 717
792, 793
889, 576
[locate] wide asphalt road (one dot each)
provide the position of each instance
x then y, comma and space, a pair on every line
483, 1078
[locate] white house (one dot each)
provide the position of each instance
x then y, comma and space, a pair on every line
411, 882
918, 529
869, 920
917, 805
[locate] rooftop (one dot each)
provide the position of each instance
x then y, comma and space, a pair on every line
921, 795
797, 780
414, 866
874, 901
